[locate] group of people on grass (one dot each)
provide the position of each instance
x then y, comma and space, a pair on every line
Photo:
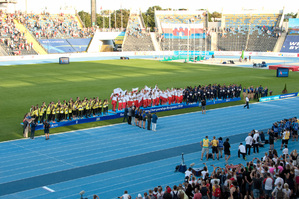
68, 110
148, 97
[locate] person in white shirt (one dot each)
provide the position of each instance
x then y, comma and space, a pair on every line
256, 138
246, 102
268, 185
278, 180
188, 172
248, 141
285, 151
242, 151
125, 196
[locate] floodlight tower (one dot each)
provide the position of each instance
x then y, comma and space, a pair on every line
93, 12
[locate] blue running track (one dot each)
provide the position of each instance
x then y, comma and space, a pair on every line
108, 160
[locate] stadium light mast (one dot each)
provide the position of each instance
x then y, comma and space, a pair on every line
93, 12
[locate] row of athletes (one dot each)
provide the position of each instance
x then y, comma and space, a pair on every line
69, 110
146, 98
255, 93
281, 126
210, 92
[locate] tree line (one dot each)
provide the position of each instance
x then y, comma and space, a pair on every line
119, 18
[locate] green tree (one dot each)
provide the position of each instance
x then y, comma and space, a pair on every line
86, 18
149, 16
289, 15
215, 15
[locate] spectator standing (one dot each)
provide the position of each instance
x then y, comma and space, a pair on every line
268, 185
226, 146
197, 194
278, 192
175, 193
32, 125
220, 146
215, 144
205, 147
257, 184
133, 115
129, 115
256, 138
125, 195
248, 141
46, 129
167, 193
246, 102
154, 121
126, 114
271, 139
203, 105
242, 151
285, 138
149, 120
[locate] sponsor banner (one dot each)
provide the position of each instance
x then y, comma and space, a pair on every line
276, 97
182, 36
202, 53
79, 121
80, 45
288, 95
291, 44
269, 98
121, 114
57, 45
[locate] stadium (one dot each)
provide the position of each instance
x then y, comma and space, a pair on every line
148, 100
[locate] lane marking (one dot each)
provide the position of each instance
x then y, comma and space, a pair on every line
48, 189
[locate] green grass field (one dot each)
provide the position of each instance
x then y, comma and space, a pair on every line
25, 85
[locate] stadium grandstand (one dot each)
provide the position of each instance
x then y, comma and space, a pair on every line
251, 30
136, 38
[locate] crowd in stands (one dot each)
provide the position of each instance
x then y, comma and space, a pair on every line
271, 176
12, 40
47, 26
134, 28
112, 29
69, 110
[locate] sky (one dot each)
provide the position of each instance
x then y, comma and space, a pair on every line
214, 5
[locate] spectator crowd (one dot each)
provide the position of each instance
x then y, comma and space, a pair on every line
271, 176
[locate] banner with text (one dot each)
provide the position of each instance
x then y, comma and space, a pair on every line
277, 97
291, 44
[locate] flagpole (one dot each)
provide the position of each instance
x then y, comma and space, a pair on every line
115, 19
188, 41
194, 38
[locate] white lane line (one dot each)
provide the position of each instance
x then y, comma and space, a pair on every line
48, 189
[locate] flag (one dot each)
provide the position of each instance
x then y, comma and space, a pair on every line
242, 54
117, 91
147, 88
